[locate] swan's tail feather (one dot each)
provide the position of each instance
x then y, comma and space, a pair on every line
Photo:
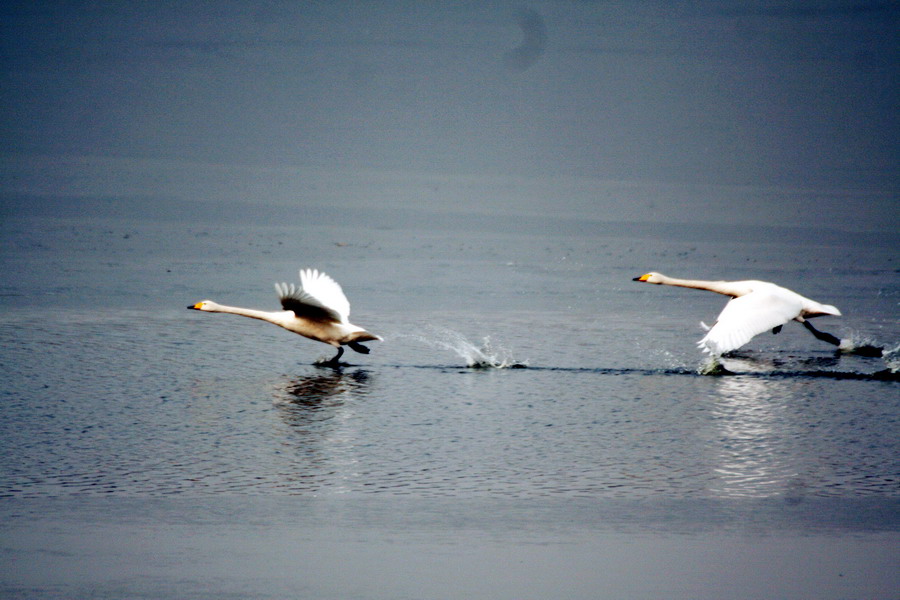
364, 336
828, 309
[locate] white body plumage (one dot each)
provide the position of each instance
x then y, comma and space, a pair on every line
756, 307
316, 309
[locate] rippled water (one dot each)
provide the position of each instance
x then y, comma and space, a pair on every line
531, 411
112, 388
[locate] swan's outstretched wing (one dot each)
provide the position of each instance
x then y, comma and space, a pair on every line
747, 316
319, 297
304, 305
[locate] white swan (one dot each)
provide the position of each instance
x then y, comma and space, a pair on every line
756, 306
318, 309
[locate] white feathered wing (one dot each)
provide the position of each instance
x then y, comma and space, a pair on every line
748, 316
326, 292
316, 290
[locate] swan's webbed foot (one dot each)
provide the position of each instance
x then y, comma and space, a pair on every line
870, 351
867, 350
846, 346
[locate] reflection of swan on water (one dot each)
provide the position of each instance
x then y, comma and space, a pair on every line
750, 459
319, 431
755, 307
317, 391
318, 310
745, 362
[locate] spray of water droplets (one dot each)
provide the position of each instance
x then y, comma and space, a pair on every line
485, 355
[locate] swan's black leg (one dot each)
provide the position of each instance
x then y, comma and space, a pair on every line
358, 347
333, 361
822, 335
864, 350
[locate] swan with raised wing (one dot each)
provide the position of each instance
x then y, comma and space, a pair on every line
755, 307
317, 309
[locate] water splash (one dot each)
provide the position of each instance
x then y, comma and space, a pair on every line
712, 366
483, 356
860, 345
892, 358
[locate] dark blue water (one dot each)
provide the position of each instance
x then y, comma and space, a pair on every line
484, 180
152, 451
111, 387
124, 413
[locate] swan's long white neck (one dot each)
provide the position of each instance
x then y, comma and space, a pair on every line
728, 288
271, 317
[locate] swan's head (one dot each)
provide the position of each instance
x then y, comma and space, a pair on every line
207, 305
651, 277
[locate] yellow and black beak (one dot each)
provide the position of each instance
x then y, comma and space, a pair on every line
195, 306
644, 277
